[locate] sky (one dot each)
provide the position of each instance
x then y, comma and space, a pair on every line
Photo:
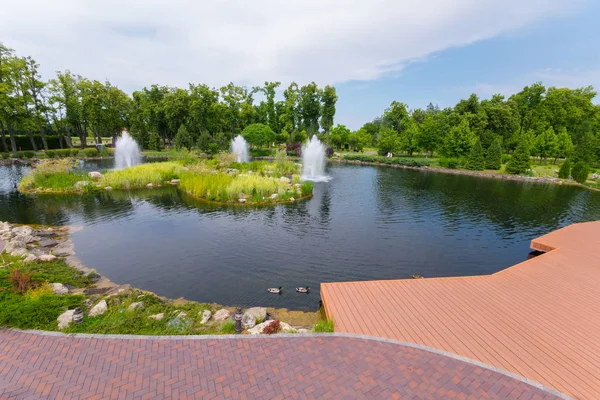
373, 51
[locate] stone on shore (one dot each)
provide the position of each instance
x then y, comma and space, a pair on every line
30, 257
65, 319
81, 184
135, 306
222, 315
22, 230
157, 317
48, 243
59, 288
7, 235
205, 316
95, 175
46, 257
248, 321
99, 309
259, 313
15, 245
258, 329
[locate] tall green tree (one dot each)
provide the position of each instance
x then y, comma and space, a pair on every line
289, 117
388, 141
476, 160
459, 141
328, 99
269, 91
545, 144
520, 161
564, 145
428, 135
493, 155
310, 107
233, 96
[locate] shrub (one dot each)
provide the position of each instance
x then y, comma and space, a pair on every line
222, 140
565, 170
18, 154
476, 159
213, 148
90, 152
5, 156
506, 158
329, 152
580, 172
520, 161
281, 138
183, 139
294, 150
105, 152
204, 141
306, 188
272, 328
21, 281
50, 154
283, 166
451, 163
324, 325
300, 137
74, 152
52, 174
258, 134
493, 155
261, 153
154, 142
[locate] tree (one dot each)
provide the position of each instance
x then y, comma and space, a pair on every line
289, 116
183, 139
565, 170
493, 155
459, 140
545, 145
580, 172
428, 136
269, 91
388, 141
258, 134
328, 100
202, 110
564, 145
154, 142
395, 116
520, 161
407, 137
35, 87
233, 96
343, 133
363, 139
585, 150
310, 107
476, 159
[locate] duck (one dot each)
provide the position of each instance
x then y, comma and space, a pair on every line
302, 289
417, 276
274, 290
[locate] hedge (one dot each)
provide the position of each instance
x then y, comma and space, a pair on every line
385, 160
23, 142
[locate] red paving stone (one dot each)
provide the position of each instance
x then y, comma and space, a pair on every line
64, 367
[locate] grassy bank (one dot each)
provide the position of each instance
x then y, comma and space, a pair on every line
220, 179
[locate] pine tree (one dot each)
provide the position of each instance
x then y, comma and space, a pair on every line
493, 155
580, 172
476, 159
565, 170
520, 161
183, 139
154, 142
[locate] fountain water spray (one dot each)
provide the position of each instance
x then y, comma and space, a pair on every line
127, 152
239, 147
313, 161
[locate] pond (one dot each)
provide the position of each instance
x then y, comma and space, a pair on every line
367, 223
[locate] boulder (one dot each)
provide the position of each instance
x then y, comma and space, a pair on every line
46, 257
59, 288
284, 179
14, 245
259, 313
65, 319
304, 330
248, 321
150, 185
157, 317
242, 200
222, 315
258, 329
26, 238
292, 199
135, 306
7, 235
297, 185
95, 175
182, 314
48, 243
22, 230
5, 227
99, 309
45, 232
205, 316
21, 252
30, 257
274, 196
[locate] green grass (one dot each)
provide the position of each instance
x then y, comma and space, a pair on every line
56, 175
324, 325
228, 327
141, 175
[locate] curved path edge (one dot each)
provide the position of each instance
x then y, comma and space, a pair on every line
303, 335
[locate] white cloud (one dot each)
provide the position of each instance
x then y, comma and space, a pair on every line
135, 43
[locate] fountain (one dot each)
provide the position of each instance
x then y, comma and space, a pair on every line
239, 147
127, 151
313, 161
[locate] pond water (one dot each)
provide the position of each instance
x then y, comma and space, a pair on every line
367, 223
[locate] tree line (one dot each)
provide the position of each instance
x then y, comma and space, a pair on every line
70, 105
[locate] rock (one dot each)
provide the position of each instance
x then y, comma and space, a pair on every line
135, 306
248, 321
258, 329
48, 243
62, 251
303, 330
149, 185
30, 257
26, 238
119, 290
15, 245
59, 288
81, 184
283, 179
5, 227
19, 252
23, 230
65, 319
205, 316
182, 314
292, 199
222, 315
45, 232
46, 257
157, 317
99, 309
242, 200
259, 313
88, 302
174, 181
7, 235
274, 196
95, 175
108, 188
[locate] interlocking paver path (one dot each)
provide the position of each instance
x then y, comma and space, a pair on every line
63, 367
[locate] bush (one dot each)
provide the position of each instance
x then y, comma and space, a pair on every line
580, 172
384, 160
183, 139
506, 158
21, 281
213, 148
258, 134
329, 152
28, 154
154, 142
272, 328
261, 153
476, 160
323, 326
565, 170
50, 154
90, 152
306, 188
520, 161
222, 140
493, 155
281, 138
5, 156
74, 152
451, 163
19, 154
294, 150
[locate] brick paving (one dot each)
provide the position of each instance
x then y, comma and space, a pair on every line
36, 366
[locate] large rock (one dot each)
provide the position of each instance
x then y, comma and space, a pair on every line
22, 230
205, 316
259, 313
7, 235
99, 309
15, 245
5, 227
48, 243
222, 315
46, 257
65, 319
119, 290
30, 258
248, 321
26, 238
135, 306
258, 329
95, 175
59, 288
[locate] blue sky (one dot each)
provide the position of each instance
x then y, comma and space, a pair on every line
373, 51
559, 51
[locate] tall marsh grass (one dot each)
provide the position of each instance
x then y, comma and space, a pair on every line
141, 175
56, 175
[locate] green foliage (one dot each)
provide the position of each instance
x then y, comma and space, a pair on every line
141, 175
324, 325
564, 144
586, 149
204, 142
154, 142
306, 188
222, 140
28, 154
258, 134
281, 138
384, 160
5, 156
451, 163
459, 141
213, 148
388, 142
580, 172
493, 155
506, 158
50, 154
35, 313
520, 161
228, 327
56, 175
565, 170
300, 137
183, 139
90, 152
476, 159
283, 166
545, 145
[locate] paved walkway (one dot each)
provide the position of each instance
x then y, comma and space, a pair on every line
63, 367
539, 319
